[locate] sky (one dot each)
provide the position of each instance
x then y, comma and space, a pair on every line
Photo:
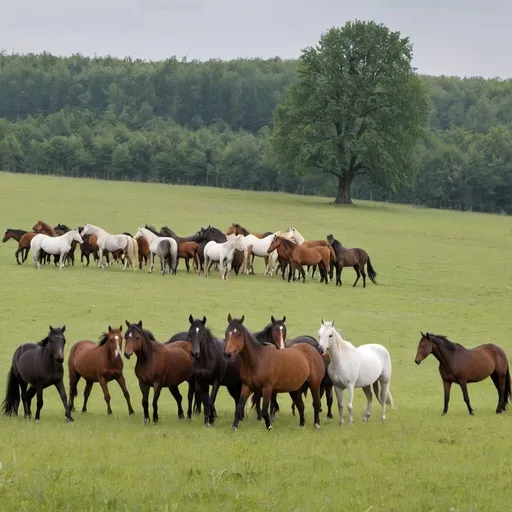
450, 37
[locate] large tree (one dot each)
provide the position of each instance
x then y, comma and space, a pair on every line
357, 108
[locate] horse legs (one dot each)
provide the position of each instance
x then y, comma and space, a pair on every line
339, 270
23, 388
499, 381
328, 396
190, 397
87, 392
234, 391
356, 268
299, 404
16, 255
61, 260
62, 392
175, 392
152, 264
369, 397
339, 394
363, 273
463, 385
211, 403
267, 397
187, 264
157, 387
203, 389
30, 394
74, 377
39, 393
206, 266
106, 394
239, 412
144, 388
124, 389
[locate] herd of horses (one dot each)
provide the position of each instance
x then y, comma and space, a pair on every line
262, 364
234, 250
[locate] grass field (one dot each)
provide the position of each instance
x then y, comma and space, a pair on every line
439, 271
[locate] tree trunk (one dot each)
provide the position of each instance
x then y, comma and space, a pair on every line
344, 184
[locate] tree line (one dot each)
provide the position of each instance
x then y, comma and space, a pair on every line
210, 123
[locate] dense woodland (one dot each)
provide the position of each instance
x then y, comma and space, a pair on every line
209, 124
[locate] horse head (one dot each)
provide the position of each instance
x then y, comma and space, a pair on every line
234, 336
134, 336
55, 341
326, 335
425, 347
196, 334
278, 332
115, 341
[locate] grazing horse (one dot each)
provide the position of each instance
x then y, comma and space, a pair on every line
356, 367
222, 253
112, 243
17, 234
298, 256
267, 370
38, 365
462, 366
275, 333
357, 258
211, 367
60, 245
101, 362
158, 365
165, 248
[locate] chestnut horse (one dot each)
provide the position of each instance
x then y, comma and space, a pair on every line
343, 257
275, 332
462, 366
18, 234
268, 370
101, 363
298, 256
158, 365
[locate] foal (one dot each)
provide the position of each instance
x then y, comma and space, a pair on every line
97, 363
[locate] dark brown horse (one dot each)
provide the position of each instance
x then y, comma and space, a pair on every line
462, 366
343, 257
17, 234
268, 370
143, 251
297, 256
158, 365
38, 365
101, 362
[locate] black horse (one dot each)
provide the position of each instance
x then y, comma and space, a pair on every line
40, 366
211, 368
275, 333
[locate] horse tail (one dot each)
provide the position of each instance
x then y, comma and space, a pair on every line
371, 271
389, 400
508, 391
133, 251
12, 396
254, 400
376, 390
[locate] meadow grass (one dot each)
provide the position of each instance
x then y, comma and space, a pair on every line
438, 271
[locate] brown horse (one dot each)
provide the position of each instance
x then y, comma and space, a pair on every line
188, 251
462, 366
297, 256
99, 362
90, 246
143, 251
268, 370
343, 257
17, 234
158, 365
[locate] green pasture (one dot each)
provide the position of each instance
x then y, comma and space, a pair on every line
438, 271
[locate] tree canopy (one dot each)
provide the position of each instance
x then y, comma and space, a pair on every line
209, 123
357, 108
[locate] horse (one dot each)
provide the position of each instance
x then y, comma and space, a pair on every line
356, 367
299, 239
298, 255
254, 246
211, 368
209, 234
275, 333
38, 365
463, 366
45, 229
109, 242
165, 248
158, 365
222, 253
101, 362
60, 229
267, 370
17, 234
89, 247
356, 258
53, 245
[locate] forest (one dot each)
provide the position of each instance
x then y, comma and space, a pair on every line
209, 123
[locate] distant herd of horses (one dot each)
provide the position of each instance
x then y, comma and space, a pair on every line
261, 364
234, 250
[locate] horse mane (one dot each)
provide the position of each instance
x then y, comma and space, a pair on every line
147, 335
20, 231
238, 226
288, 243
336, 244
103, 339
442, 340
149, 227
43, 342
264, 334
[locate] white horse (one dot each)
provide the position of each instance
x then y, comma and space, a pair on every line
111, 243
154, 241
356, 367
54, 245
223, 254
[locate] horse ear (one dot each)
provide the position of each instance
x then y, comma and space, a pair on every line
229, 318
63, 328
242, 319
140, 323
109, 329
284, 319
273, 319
127, 323
422, 335
51, 328
323, 323
204, 320
332, 323
190, 319
121, 328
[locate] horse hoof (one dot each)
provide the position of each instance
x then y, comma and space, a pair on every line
235, 429
269, 428
317, 426
70, 420
206, 425
146, 421
131, 413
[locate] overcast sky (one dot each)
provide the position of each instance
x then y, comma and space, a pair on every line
454, 37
